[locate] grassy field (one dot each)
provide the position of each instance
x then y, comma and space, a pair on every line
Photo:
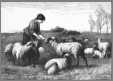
98, 68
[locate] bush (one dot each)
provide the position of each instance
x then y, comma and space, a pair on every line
73, 33
58, 29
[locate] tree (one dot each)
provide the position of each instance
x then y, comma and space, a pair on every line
103, 19
99, 21
108, 22
92, 23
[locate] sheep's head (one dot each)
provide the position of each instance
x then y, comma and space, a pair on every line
95, 45
86, 39
8, 51
69, 59
99, 39
66, 55
54, 39
51, 39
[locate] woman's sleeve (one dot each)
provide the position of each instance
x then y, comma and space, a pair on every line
26, 30
31, 27
34, 27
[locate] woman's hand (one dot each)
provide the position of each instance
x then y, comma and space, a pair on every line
38, 36
41, 37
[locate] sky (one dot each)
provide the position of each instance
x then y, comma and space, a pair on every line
70, 15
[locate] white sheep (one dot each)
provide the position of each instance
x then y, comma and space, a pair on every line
56, 64
15, 50
98, 53
25, 54
93, 52
74, 48
104, 46
19, 49
89, 51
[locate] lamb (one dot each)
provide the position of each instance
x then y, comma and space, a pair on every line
98, 53
56, 64
89, 51
74, 48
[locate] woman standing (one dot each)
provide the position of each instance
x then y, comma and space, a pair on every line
33, 30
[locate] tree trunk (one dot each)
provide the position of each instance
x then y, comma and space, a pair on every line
107, 28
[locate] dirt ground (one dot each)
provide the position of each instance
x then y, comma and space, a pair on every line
99, 69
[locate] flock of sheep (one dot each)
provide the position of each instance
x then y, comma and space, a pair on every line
69, 53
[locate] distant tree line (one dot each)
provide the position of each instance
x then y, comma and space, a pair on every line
63, 31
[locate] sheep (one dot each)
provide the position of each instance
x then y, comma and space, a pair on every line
83, 41
89, 51
27, 51
105, 47
74, 48
21, 53
94, 52
98, 53
19, 49
56, 64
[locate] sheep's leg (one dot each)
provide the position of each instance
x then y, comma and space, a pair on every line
17, 54
77, 61
17, 57
109, 52
104, 53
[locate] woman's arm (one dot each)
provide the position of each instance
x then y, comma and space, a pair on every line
38, 36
